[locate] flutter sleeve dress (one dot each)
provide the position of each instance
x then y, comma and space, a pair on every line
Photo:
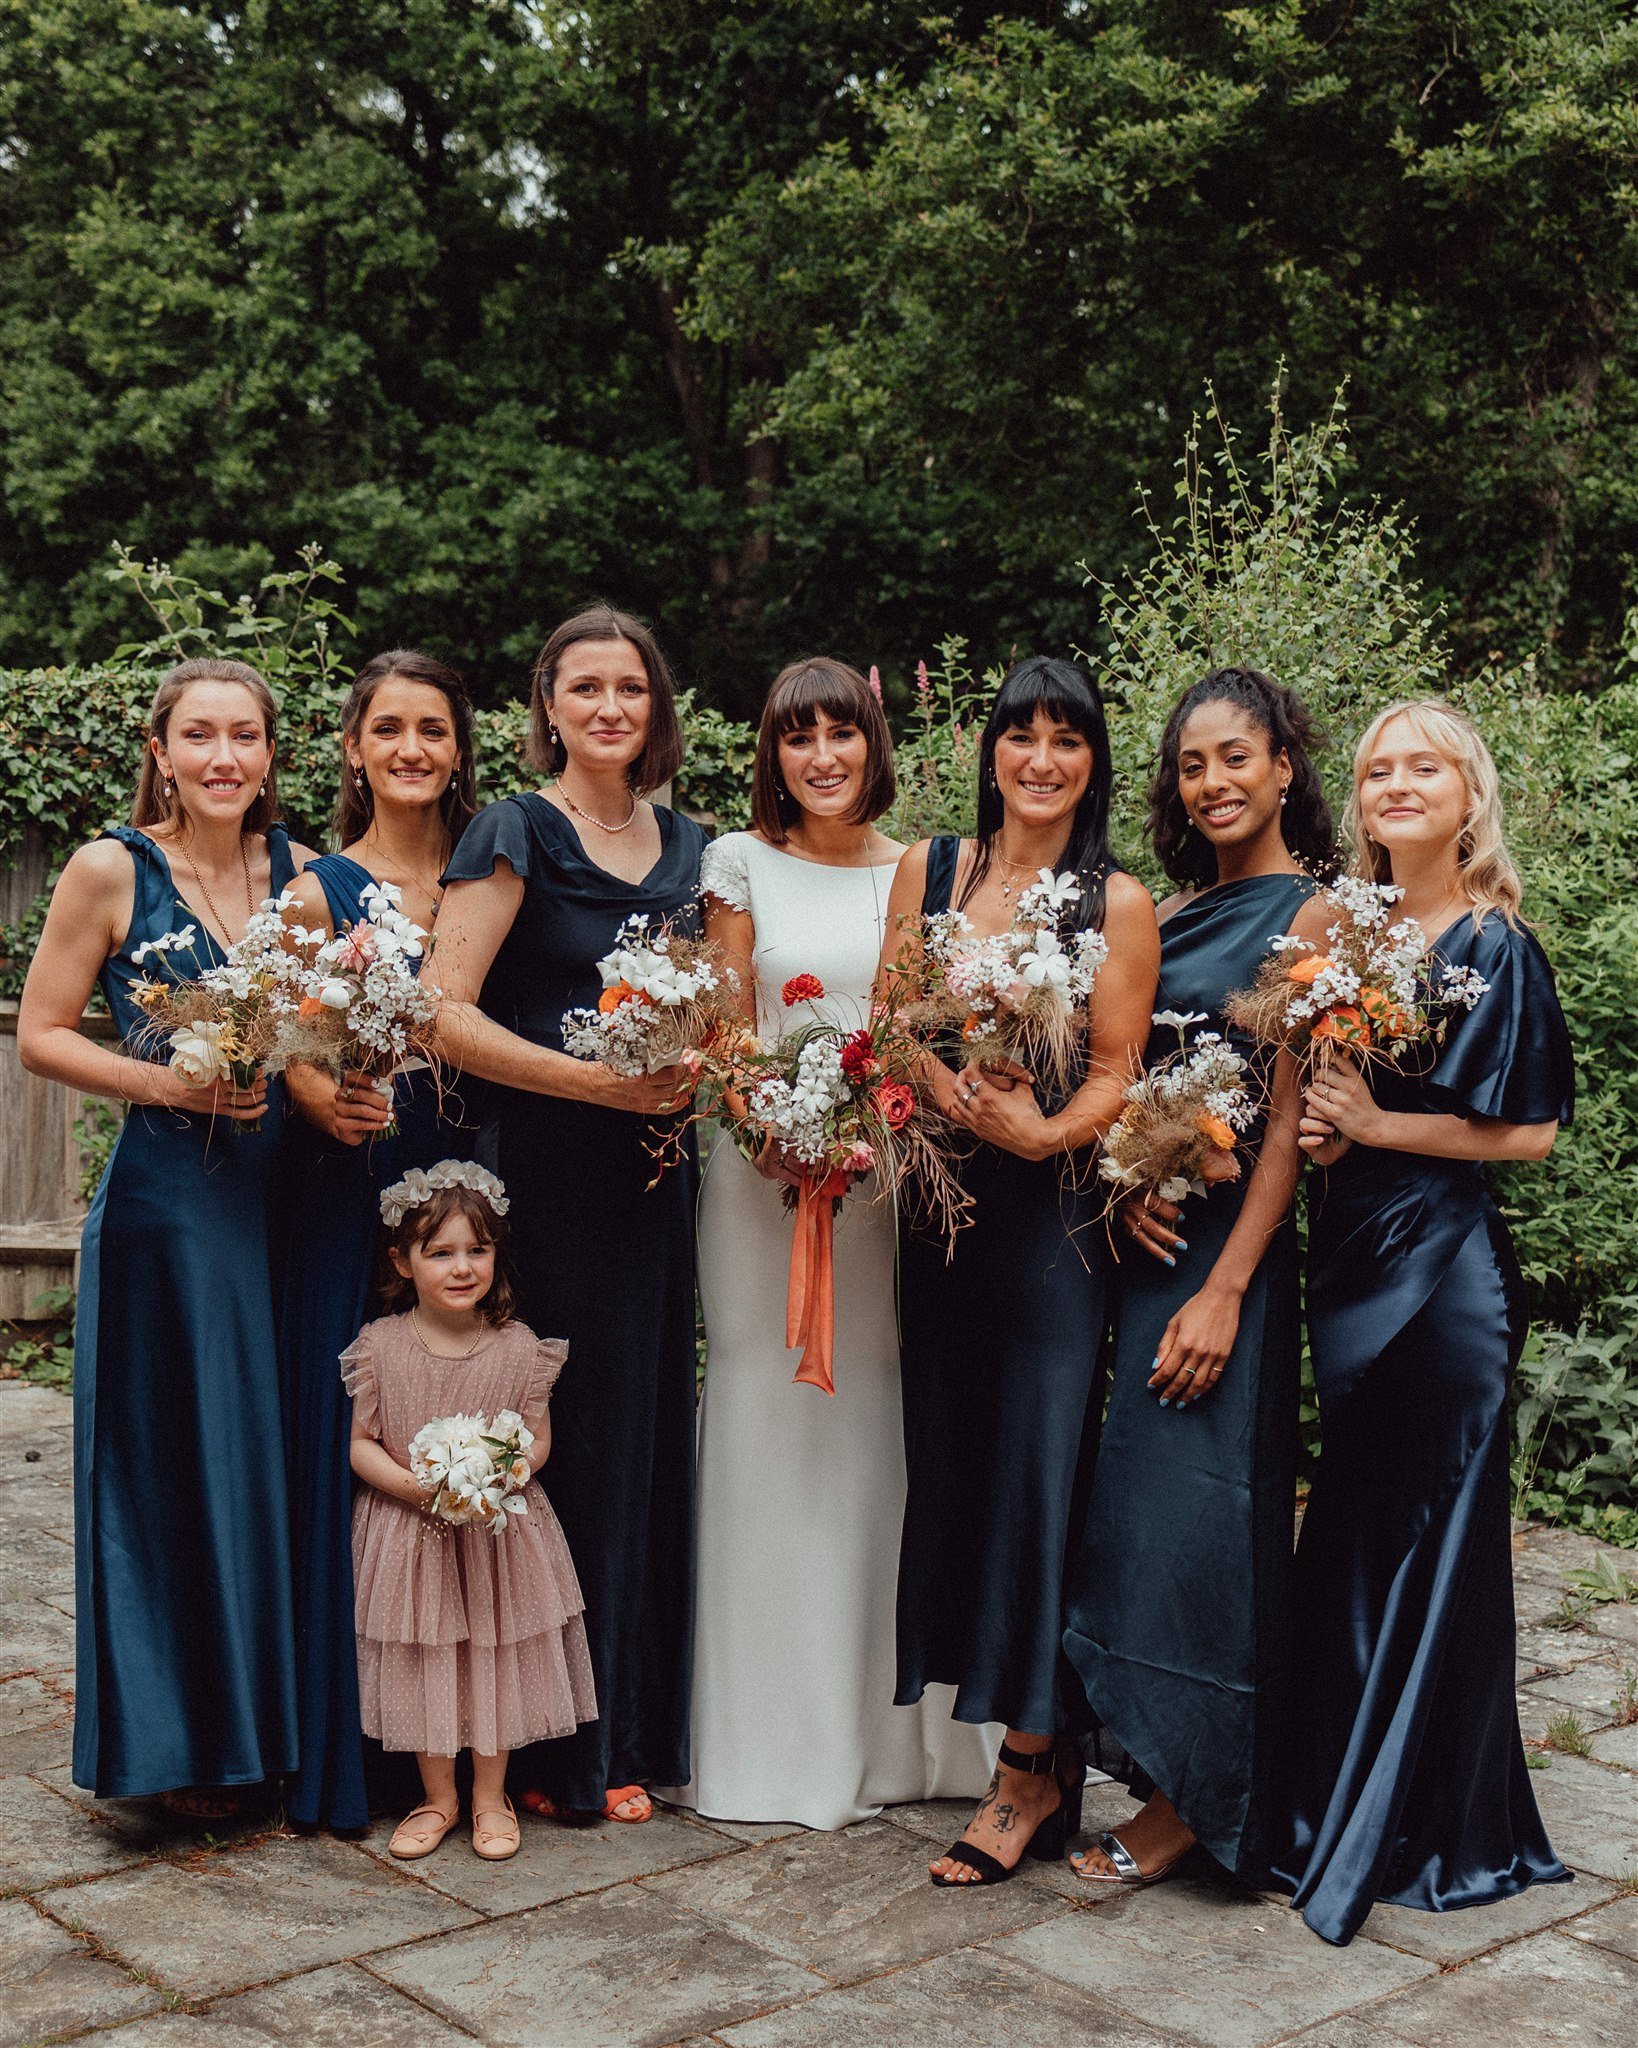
466, 1640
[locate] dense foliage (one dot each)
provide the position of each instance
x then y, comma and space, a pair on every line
801, 326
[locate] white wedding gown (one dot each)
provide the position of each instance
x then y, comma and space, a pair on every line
801, 1495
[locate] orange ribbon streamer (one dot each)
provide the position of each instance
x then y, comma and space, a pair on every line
810, 1297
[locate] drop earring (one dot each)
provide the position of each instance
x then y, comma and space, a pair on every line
170, 789
358, 778
1285, 797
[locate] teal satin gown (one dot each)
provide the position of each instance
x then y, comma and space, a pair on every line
1000, 1346
185, 1666
1179, 1592
1408, 1781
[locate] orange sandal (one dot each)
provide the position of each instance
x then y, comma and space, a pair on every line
588, 1817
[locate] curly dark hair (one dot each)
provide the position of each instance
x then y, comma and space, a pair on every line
499, 1305
1305, 821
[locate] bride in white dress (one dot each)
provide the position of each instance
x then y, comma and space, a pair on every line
801, 1496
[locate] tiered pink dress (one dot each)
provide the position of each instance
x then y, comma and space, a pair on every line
465, 1640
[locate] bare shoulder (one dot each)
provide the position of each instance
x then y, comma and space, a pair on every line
1313, 919
301, 855
1175, 901
1127, 897
309, 894
102, 868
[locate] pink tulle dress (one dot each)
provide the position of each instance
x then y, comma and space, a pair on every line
465, 1640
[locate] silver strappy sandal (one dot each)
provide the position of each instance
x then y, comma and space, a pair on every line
1127, 1870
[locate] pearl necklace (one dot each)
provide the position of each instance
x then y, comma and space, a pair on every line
415, 1325
590, 819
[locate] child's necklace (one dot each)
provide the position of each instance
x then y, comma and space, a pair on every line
415, 1325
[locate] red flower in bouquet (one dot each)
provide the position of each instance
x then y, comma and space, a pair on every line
801, 988
858, 1057
896, 1101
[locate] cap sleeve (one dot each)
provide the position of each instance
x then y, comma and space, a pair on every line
725, 872
358, 1376
1509, 1057
498, 832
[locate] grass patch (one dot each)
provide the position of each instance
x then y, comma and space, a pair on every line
1566, 1734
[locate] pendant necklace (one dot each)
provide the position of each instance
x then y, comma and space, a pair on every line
250, 901
1018, 868
589, 818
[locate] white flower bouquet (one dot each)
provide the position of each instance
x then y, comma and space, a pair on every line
1369, 990
1179, 1130
224, 1022
364, 1004
1019, 998
666, 995
474, 1468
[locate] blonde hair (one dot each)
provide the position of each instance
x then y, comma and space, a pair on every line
1488, 876
154, 803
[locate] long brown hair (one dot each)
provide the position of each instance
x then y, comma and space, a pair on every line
799, 694
152, 805
663, 749
355, 805
499, 1305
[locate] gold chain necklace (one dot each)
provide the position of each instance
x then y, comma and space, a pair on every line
589, 818
1018, 868
210, 903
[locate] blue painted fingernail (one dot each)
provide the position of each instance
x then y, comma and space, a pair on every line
1154, 1363
1182, 1244
1164, 1402
1170, 1260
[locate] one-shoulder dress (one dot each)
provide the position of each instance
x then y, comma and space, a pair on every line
1001, 1399
1408, 1779
1179, 1596
607, 1260
332, 1208
185, 1663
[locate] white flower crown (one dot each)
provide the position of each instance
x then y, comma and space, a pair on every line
420, 1184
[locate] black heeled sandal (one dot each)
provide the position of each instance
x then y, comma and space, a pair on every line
1049, 1840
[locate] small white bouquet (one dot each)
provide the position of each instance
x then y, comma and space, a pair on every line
1020, 997
665, 995
475, 1468
364, 1005
1180, 1128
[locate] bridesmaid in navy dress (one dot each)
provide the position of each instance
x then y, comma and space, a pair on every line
185, 1670
536, 893
1000, 1341
1409, 1781
407, 794
1179, 1594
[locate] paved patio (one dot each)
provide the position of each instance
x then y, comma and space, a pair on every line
115, 1927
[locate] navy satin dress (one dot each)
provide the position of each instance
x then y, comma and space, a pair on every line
606, 1261
185, 1663
1179, 1594
332, 1204
1000, 1348
1409, 1781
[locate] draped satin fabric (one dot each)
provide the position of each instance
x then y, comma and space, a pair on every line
1176, 1619
605, 1258
185, 1668
1001, 1398
1408, 1779
332, 1209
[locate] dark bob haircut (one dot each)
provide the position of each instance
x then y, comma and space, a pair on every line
1069, 696
1305, 821
458, 805
663, 750
799, 694
499, 1305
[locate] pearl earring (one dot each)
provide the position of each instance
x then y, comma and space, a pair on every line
170, 789
1285, 798
358, 778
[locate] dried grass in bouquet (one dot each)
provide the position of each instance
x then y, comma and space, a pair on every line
223, 1022
666, 994
1179, 1130
1018, 998
1368, 990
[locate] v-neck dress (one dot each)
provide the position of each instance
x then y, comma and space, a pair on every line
185, 1665
605, 1260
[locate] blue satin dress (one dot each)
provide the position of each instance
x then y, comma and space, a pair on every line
1179, 1592
185, 1662
1408, 1781
607, 1261
332, 1204
1000, 1347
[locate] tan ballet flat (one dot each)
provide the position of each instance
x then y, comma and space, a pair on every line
410, 1842
495, 1833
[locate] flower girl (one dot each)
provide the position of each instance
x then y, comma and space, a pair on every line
468, 1609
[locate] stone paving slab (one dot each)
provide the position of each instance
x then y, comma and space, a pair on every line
1614, 1926
36, 1722
848, 1906
343, 2007
51, 1984
218, 1922
1217, 1966
35, 1632
1591, 1813
1618, 1746
620, 1969
46, 1841
1558, 1649
1588, 1690
972, 1999
1446, 1938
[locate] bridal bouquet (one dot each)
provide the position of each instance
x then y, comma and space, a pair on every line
665, 996
1180, 1127
1019, 998
364, 1005
475, 1469
225, 1022
843, 1104
1367, 990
